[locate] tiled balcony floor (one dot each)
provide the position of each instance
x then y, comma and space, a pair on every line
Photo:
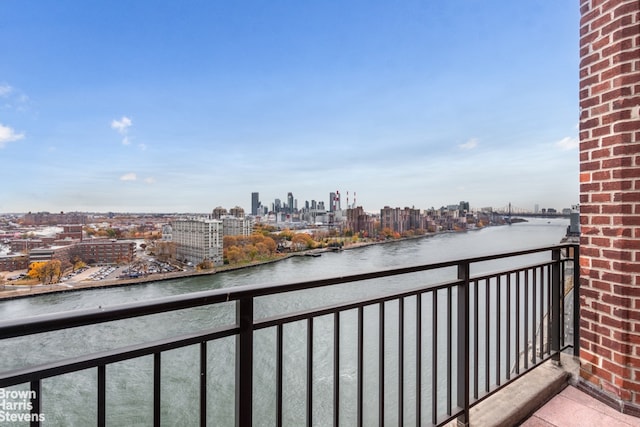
572, 407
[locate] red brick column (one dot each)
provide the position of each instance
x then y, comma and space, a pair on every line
610, 201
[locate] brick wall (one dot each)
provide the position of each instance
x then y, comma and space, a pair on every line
610, 200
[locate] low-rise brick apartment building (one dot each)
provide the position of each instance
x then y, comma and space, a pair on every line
65, 247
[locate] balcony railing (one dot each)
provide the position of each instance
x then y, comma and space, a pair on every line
438, 348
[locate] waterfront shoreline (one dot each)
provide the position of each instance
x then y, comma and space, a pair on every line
27, 291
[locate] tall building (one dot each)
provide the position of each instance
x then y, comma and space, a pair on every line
219, 212
198, 239
237, 212
236, 226
255, 203
290, 202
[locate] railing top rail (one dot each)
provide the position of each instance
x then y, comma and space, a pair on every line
57, 321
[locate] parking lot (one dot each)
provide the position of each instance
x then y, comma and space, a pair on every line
110, 272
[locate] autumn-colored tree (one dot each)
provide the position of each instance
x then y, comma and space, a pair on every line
229, 241
77, 263
250, 252
302, 241
286, 234
234, 255
387, 233
205, 265
54, 271
238, 249
46, 271
36, 270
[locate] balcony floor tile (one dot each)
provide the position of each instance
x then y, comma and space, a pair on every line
572, 407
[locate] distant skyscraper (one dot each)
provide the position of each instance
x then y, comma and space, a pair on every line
255, 202
290, 202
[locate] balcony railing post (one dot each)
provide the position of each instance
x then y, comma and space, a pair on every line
244, 362
556, 325
463, 343
35, 404
576, 300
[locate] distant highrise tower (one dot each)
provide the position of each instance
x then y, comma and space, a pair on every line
255, 202
290, 202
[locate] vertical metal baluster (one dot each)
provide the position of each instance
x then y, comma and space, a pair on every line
310, 371
526, 319
517, 353
102, 395
381, 366
418, 360
476, 344
508, 334
203, 384
244, 362
35, 403
555, 310
463, 344
562, 311
549, 332
449, 350
576, 300
401, 362
498, 329
534, 322
336, 369
487, 334
156, 389
360, 366
434, 358
541, 298
279, 373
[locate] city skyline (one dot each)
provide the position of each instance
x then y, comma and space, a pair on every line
165, 107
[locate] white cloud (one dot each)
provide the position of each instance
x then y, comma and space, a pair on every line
7, 134
5, 90
142, 147
122, 125
469, 145
131, 176
13, 99
150, 180
567, 143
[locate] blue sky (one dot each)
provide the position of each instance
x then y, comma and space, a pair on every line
183, 106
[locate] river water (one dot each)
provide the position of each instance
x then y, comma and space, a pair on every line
71, 399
